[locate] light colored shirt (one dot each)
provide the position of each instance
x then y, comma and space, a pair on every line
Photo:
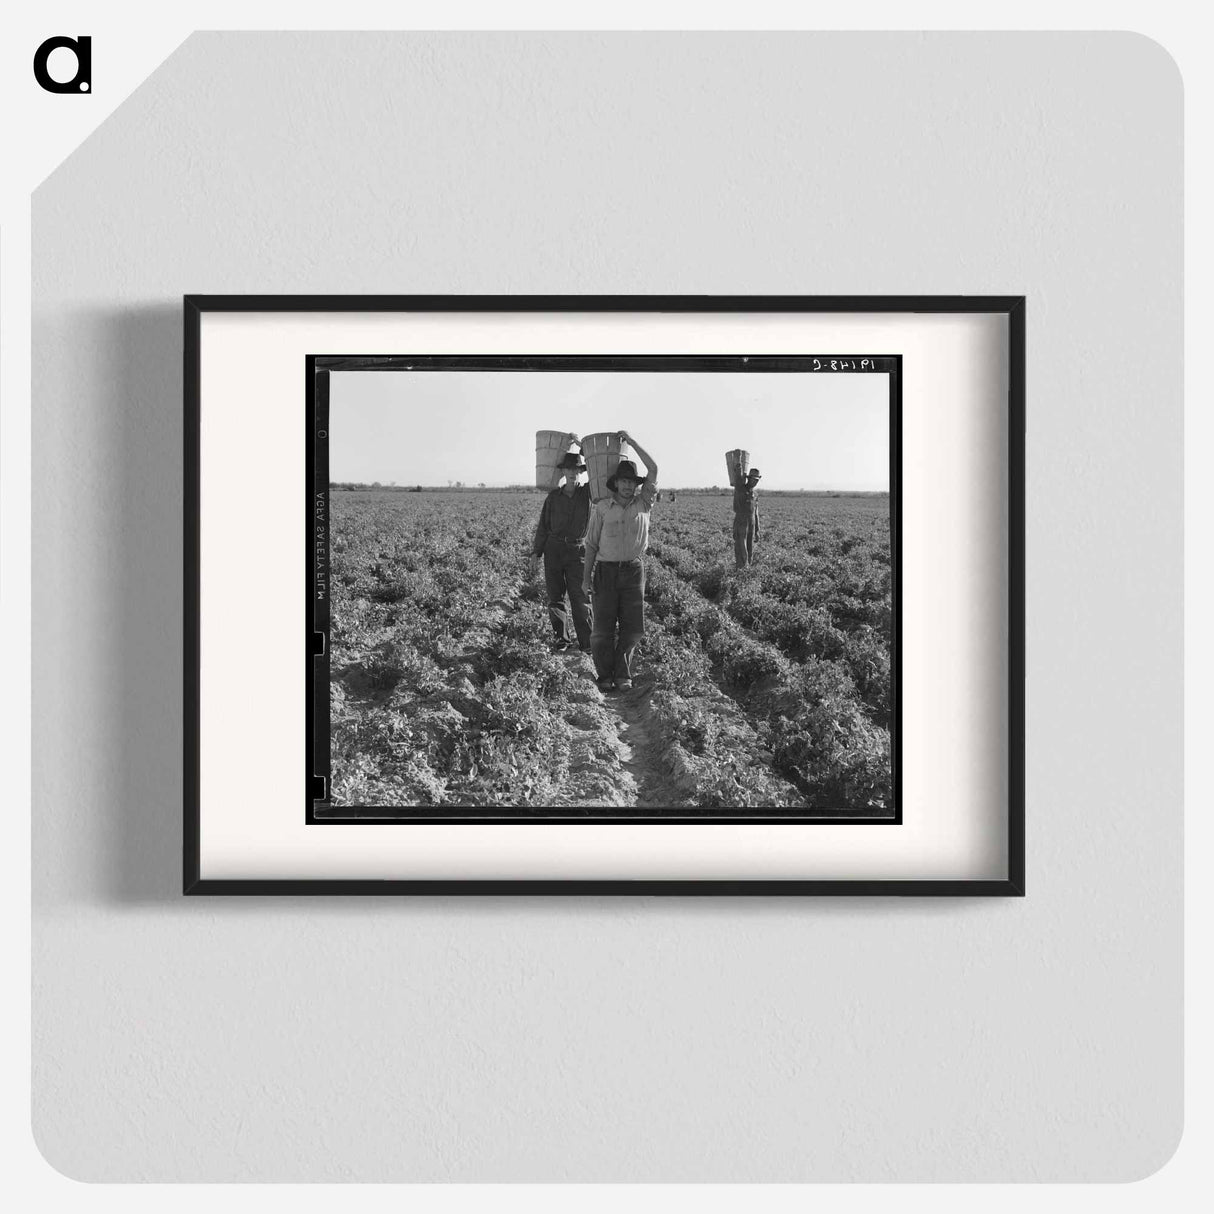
620, 532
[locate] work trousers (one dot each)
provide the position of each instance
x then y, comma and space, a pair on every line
619, 617
563, 571
745, 531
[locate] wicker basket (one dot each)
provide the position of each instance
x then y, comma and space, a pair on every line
602, 453
550, 449
737, 464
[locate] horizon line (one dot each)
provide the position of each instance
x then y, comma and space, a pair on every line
408, 486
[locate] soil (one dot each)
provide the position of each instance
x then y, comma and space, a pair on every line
616, 760
619, 762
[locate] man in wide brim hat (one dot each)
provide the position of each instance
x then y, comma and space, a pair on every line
628, 470
745, 520
560, 538
615, 567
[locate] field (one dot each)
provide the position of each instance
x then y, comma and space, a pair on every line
769, 687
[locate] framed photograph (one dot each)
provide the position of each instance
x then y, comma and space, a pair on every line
604, 595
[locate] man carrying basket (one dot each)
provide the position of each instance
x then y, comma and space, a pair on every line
615, 567
559, 538
745, 519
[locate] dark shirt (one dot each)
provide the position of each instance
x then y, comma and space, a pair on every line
563, 517
744, 501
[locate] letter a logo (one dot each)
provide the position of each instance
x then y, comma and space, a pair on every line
82, 81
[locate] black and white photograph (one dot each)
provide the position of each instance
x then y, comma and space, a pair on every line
598, 589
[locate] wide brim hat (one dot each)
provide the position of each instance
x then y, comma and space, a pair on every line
625, 468
571, 459
755, 473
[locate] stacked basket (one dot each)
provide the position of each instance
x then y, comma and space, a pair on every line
602, 452
550, 449
737, 464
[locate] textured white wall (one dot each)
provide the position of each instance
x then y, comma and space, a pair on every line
627, 1039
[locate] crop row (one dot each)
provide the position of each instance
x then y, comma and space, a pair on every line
808, 715
437, 696
443, 693
800, 631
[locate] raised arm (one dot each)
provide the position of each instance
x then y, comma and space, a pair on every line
646, 458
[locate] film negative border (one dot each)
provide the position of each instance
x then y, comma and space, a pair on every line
318, 811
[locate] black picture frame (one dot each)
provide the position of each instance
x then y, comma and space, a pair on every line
1011, 307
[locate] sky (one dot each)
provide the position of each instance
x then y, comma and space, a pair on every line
803, 430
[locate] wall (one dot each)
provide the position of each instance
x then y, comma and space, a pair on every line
625, 1039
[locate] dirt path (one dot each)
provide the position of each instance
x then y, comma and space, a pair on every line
616, 762
654, 789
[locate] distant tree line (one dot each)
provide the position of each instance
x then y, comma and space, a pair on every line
704, 490
449, 487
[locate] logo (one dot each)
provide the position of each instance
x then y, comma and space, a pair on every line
82, 81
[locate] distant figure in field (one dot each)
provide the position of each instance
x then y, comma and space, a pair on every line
615, 568
560, 538
746, 519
